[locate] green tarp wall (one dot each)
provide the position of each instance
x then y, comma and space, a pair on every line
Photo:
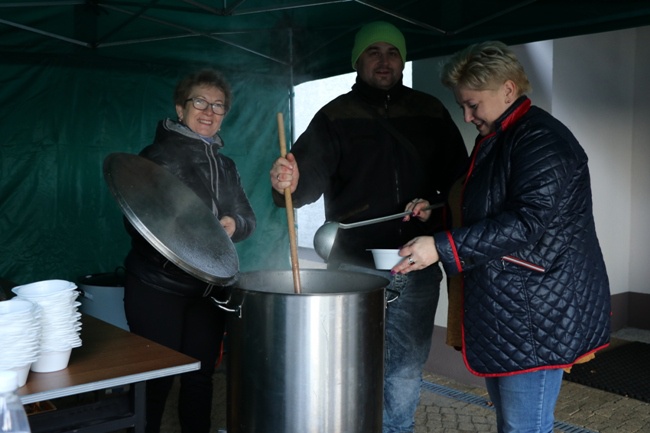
63, 115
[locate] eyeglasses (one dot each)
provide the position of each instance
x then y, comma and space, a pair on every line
202, 104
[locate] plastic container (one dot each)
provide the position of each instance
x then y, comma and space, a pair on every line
386, 259
103, 298
13, 418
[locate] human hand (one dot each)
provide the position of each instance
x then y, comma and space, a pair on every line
416, 207
418, 253
284, 173
229, 225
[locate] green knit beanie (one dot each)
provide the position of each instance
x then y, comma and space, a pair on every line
378, 31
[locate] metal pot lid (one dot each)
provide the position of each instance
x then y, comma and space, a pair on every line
171, 217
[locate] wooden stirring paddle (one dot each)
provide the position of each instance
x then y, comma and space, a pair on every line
289, 206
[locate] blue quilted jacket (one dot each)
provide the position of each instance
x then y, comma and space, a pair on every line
535, 288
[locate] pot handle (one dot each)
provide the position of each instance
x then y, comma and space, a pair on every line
224, 307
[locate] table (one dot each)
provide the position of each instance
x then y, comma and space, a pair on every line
109, 357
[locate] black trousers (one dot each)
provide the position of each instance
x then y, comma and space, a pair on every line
193, 326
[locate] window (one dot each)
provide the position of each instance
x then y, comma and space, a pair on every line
309, 98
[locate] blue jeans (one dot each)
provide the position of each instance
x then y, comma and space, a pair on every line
409, 326
413, 300
525, 402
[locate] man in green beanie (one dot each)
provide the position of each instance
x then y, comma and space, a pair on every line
376, 151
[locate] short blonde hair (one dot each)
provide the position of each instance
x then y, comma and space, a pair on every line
485, 66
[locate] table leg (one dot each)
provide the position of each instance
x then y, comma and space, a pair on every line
139, 405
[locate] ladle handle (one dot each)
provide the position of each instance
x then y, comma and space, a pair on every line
386, 218
289, 206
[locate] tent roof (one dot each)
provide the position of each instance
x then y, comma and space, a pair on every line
308, 39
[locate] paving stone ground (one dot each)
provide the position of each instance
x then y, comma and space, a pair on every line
447, 406
580, 409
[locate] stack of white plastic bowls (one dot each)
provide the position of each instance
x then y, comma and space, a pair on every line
20, 336
60, 321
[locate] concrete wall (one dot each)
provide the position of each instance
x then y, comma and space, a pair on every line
639, 281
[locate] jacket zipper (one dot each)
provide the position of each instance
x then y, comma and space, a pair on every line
523, 263
395, 174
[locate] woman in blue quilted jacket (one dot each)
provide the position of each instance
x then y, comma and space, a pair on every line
531, 276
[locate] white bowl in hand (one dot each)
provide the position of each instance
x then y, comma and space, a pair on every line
386, 258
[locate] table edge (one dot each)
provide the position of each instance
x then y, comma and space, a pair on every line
108, 383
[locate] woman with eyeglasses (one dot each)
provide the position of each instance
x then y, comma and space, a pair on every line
162, 302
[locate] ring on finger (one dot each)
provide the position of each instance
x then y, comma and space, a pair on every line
411, 261
278, 177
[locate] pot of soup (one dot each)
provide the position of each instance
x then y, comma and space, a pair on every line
308, 362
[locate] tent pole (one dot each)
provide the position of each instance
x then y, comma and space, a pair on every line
291, 89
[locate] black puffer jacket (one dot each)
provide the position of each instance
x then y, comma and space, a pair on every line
536, 292
365, 172
214, 178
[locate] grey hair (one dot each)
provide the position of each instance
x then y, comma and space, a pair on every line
484, 66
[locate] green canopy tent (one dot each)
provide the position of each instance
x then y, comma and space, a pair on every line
82, 79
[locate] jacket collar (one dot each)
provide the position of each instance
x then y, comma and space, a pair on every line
513, 113
180, 128
376, 96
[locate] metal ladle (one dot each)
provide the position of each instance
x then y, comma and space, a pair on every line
326, 234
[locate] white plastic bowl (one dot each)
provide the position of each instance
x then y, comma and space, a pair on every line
17, 307
386, 258
44, 288
52, 361
22, 372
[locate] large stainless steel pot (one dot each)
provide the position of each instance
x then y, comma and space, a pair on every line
310, 362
